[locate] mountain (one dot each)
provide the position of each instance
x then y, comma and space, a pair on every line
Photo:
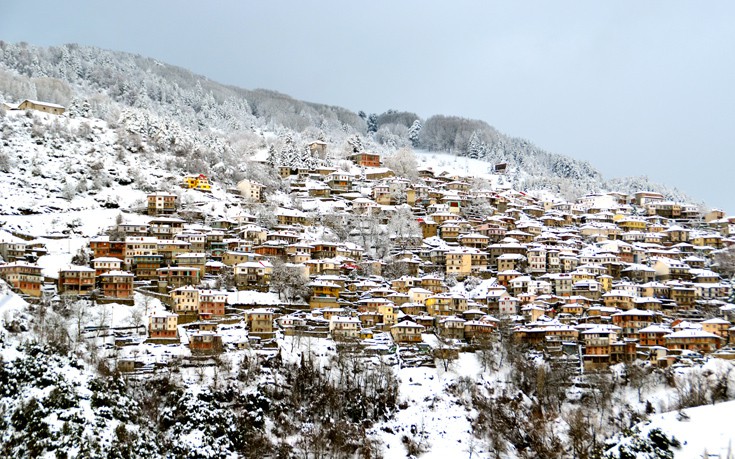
222, 120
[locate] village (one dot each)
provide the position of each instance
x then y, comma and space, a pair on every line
607, 278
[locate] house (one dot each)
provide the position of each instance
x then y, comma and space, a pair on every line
250, 190
185, 300
102, 247
162, 203
145, 267
632, 321
76, 280
366, 159
177, 276
407, 332
191, 260
446, 305
253, 274
165, 227
197, 182
717, 327
465, 261
479, 329
28, 104
324, 288
693, 339
260, 321
212, 303
102, 265
13, 251
117, 284
345, 327
138, 245
653, 335
24, 277
339, 182
451, 327
205, 342
286, 216
318, 148
163, 325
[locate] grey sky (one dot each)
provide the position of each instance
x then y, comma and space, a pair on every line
636, 88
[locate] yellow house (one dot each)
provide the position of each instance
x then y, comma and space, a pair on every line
197, 182
605, 281
29, 104
446, 305
632, 224
322, 288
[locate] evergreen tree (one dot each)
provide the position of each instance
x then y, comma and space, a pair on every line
273, 157
413, 133
474, 146
372, 123
356, 143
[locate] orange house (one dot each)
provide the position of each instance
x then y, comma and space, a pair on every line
366, 159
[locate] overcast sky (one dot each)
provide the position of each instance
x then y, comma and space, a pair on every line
634, 87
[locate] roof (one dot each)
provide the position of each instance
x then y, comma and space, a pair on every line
407, 324
691, 333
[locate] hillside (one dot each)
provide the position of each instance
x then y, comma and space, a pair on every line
227, 119
308, 305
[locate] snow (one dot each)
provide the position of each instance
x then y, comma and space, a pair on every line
706, 429
431, 410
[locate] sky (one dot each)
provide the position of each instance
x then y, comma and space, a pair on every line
634, 87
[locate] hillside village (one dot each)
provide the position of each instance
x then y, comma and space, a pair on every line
413, 260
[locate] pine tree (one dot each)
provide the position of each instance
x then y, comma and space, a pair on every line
413, 133
372, 123
273, 157
474, 146
356, 143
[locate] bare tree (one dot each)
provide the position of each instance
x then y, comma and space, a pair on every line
724, 261
289, 281
403, 162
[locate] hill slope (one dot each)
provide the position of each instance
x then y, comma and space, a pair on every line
105, 83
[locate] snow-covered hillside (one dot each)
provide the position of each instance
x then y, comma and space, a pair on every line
105, 83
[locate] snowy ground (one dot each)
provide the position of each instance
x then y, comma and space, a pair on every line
708, 429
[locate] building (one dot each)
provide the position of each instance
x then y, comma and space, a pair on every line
345, 327
162, 203
117, 284
366, 159
205, 342
185, 300
178, 276
250, 190
212, 303
76, 280
407, 332
103, 265
24, 277
28, 104
692, 339
197, 182
260, 321
163, 325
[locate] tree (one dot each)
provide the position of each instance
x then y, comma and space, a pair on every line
413, 133
475, 147
372, 123
81, 258
403, 162
724, 261
403, 227
289, 281
355, 144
